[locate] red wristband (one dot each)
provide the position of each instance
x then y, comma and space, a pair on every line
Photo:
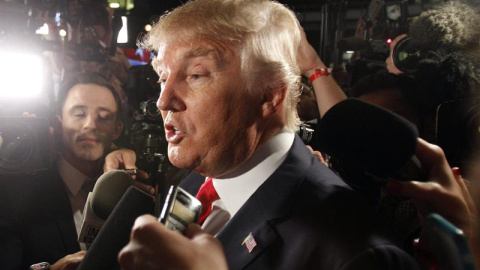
319, 72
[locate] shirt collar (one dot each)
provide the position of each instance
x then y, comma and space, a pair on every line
72, 177
234, 191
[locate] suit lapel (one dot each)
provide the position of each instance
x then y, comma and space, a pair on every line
64, 220
272, 201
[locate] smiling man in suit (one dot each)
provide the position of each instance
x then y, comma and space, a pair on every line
229, 88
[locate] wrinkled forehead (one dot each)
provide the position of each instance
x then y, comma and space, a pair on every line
216, 51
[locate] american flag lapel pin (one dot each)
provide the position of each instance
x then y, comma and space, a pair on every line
249, 243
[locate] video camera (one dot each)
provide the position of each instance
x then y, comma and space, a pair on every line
24, 145
145, 132
405, 56
147, 138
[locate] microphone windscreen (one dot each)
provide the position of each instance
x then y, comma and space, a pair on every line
115, 234
367, 137
108, 191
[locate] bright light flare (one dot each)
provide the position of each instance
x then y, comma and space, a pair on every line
21, 75
114, 5
62, 33
42, 30
123, 33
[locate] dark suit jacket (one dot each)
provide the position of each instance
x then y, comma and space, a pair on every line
305, 217
36, 221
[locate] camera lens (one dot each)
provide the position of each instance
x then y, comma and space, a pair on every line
405, 57
151, 111
18, 145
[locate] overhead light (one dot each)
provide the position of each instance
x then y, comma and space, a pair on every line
114, 5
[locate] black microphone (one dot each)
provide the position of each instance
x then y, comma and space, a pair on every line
371, 139
107, 192
115, 234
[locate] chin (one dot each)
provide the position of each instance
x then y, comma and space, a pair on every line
91, 155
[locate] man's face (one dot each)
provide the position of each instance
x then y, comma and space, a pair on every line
89, 122
389, 61
209, 118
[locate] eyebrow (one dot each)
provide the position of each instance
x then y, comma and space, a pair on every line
85, 106
219, 59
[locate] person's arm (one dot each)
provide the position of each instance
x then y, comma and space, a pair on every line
69, 262
327, 91
444, 193
153, 246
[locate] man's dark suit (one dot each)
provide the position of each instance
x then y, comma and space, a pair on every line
305, 217
36, 221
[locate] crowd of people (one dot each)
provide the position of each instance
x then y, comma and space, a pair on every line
230, 73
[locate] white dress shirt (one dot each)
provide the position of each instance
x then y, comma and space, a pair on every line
235, 188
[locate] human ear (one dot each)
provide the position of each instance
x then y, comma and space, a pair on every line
273, 100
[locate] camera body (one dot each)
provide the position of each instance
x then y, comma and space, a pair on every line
24, 145
147, 137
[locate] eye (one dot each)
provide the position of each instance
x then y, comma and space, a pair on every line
106, 116
78, 113
162, 82
162, 77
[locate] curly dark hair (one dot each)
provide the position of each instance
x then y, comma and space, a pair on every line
449, 37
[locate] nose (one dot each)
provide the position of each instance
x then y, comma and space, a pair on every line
90, 122
172, 96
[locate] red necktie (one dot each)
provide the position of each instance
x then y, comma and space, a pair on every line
206, 195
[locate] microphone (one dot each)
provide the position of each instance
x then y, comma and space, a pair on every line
115, 234
107, 192
371, 139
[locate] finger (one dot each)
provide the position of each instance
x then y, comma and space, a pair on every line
111, 164
430, 155
422, 191
147, 231
144, 220
147, 188
193, 230
319, 156
126, 257
142, 174
463, 187
129, 160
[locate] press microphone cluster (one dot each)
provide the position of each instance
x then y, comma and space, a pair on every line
116, 200
371, 139
108, 191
